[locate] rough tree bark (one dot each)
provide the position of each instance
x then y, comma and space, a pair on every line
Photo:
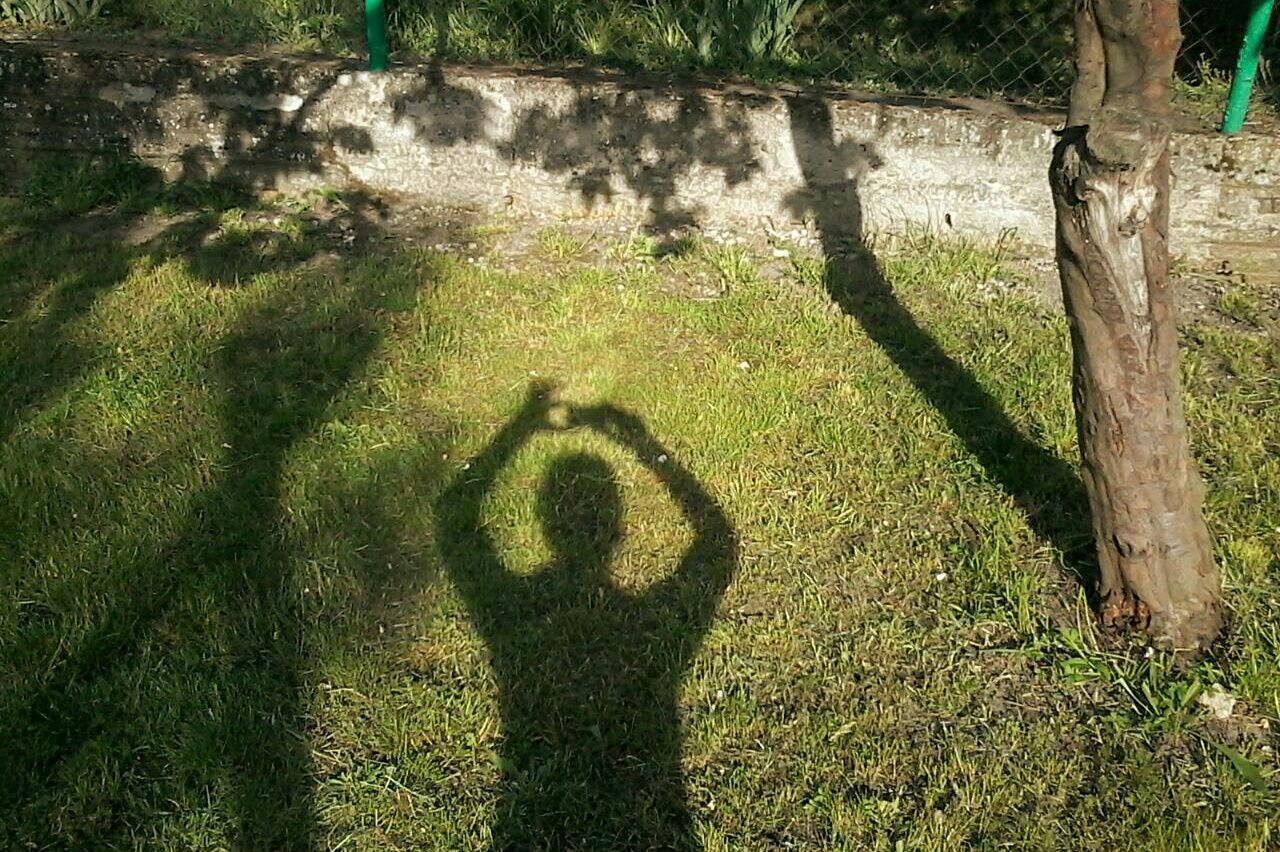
1110, 181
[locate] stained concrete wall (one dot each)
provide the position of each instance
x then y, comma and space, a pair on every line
676, 155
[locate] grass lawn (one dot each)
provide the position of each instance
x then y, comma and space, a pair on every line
315, 539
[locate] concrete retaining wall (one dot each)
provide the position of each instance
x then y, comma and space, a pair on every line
676, 155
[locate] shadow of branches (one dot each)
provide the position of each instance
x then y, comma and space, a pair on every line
1045, 487
594, 143
178, 669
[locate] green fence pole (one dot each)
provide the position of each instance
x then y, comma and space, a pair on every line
1247, 67
375, 24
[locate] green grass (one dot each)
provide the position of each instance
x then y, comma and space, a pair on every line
1239, 305
382, 550
560, 245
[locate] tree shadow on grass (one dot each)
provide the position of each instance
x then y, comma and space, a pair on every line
39, 354
189, 673
588, 673
1046, 488
173, 675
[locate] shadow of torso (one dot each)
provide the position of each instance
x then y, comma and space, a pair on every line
587, 680
587, 672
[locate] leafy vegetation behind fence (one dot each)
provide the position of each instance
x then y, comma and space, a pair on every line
1018, 50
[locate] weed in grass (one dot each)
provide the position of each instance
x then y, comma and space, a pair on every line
1239, 306
331, 195
595, 36
809, 270
1203, 94
1158, 696
753, 31
734, 264
479, 233
72, 188
678, 248
636, 277
559, 244
49, 13
637, 247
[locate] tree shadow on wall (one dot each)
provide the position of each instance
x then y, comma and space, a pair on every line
588, 672
615, 135
1046, 488
595, 143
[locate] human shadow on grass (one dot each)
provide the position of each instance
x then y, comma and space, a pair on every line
285, 370
1044, 486
588, 672
201, 641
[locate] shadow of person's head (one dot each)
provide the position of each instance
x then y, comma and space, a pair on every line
580, 505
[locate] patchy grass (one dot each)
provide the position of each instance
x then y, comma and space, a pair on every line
734, 265
377, 549
637, 247
1239, 305
560, 245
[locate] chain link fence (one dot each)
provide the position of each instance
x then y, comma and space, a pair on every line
971, 48
1016, 50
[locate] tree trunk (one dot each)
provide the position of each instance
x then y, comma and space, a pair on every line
1110, 181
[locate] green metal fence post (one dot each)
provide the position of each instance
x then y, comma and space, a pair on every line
375, 24
1247, 67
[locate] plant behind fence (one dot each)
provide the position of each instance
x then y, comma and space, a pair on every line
1016, 50
49, 12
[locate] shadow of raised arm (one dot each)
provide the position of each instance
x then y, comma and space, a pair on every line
692, 591
467, 549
